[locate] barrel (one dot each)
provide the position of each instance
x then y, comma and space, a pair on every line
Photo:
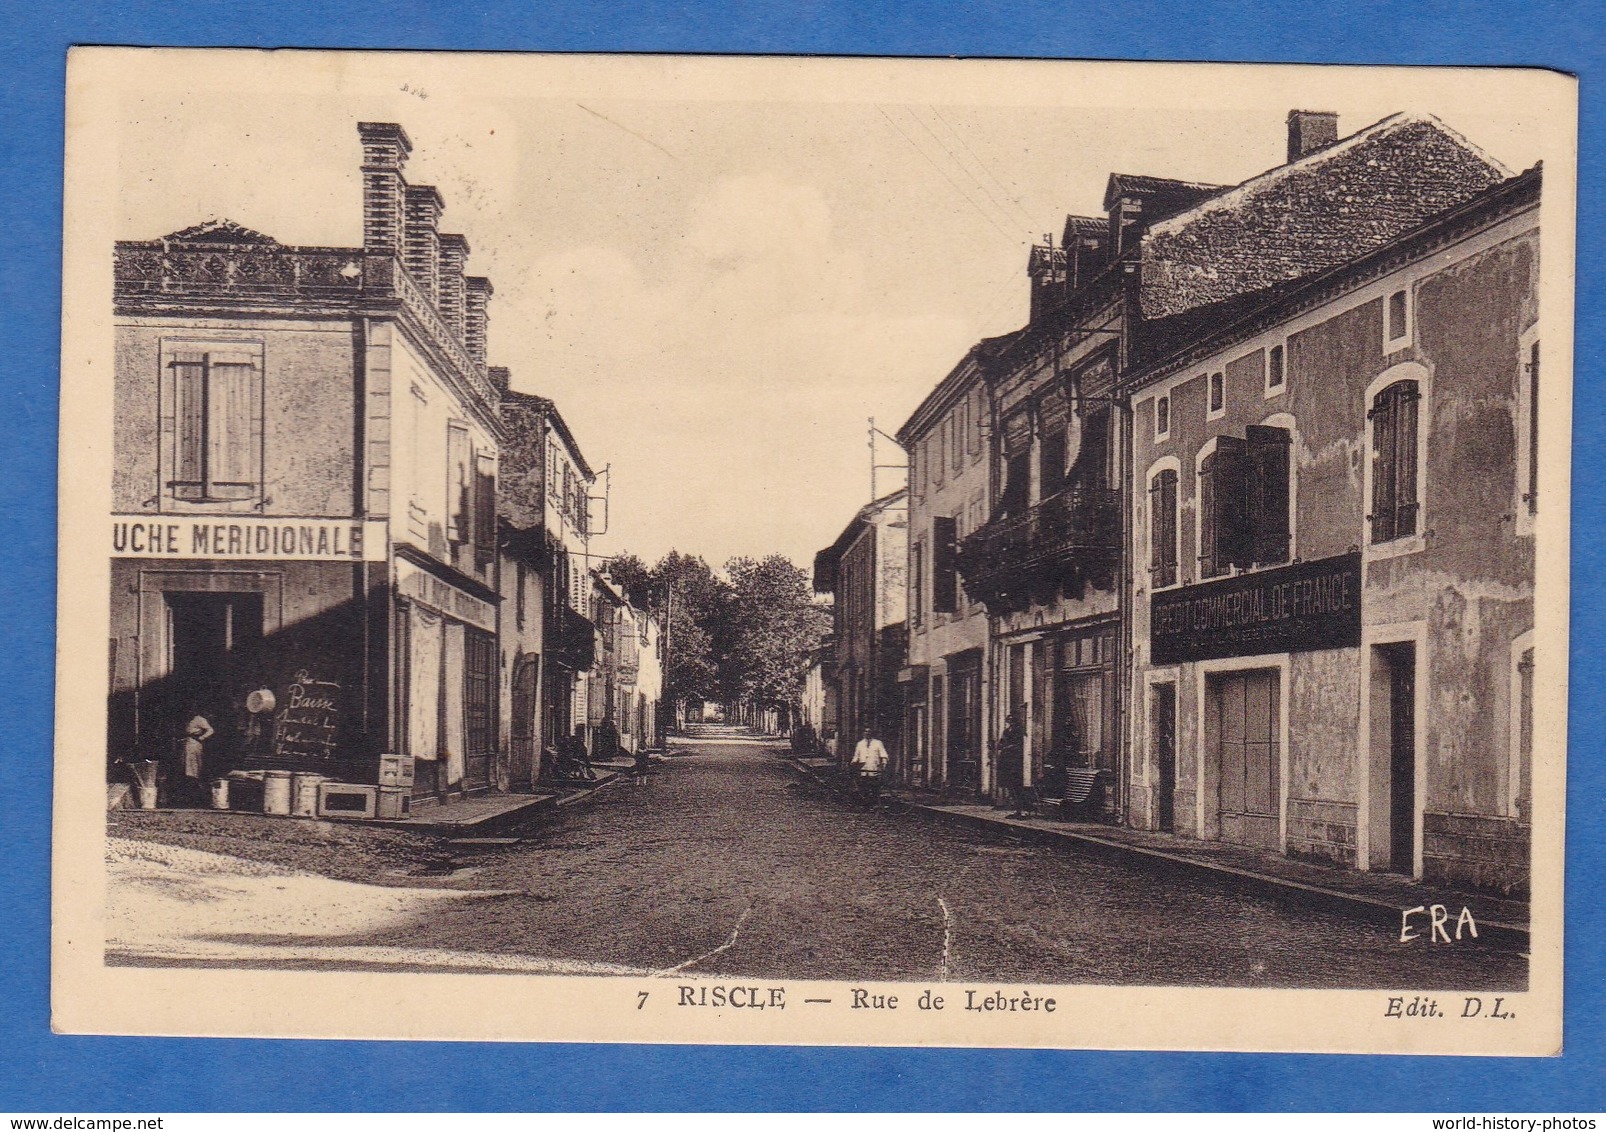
276, 792
220, 793
304, 794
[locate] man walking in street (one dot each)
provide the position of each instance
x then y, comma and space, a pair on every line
868, 763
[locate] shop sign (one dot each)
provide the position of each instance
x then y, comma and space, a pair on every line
443, 597
256, 539
1298, 608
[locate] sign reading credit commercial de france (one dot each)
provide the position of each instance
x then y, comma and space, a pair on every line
238, 537
1298, 608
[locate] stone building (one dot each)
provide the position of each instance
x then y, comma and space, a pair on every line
306, 446
864, 570
1331, 525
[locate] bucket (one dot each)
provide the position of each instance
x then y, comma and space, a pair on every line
220, 793
304, 795
144, 772
276, 792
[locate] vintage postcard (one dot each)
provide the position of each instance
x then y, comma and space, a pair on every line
820, 551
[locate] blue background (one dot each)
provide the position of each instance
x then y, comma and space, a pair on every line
43, 1072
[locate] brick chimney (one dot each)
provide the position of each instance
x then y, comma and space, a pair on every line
449, 296
476, 298
423, 254
1310, 130
500, 377
384, 154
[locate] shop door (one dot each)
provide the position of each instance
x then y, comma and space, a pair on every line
1402, 757
479, 709
214, 640
1245, 708
1163, 737
964, 727
522, 723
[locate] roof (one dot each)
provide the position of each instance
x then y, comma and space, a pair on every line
948, 390
219, 231
1325, 208
1172, 343
1083, 226
518, 495
825, 561
1168, 189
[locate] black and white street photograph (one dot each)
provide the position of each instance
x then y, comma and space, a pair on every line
804, 550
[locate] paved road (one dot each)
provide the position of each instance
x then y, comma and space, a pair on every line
725, 863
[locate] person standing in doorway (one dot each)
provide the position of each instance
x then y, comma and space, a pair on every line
193, 758
1012, 764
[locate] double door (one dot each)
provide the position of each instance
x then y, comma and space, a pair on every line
1243, 727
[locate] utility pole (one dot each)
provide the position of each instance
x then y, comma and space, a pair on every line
874, 465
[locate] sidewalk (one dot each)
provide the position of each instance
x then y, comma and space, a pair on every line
1379, 898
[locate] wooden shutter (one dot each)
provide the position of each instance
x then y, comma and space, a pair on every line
1269, 450
1163, 528
1234, 542
189, 423
458, 503
233, 439
484, 510
1394, 470
944, 577
1208, 567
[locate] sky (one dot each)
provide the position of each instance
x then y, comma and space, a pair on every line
722, 273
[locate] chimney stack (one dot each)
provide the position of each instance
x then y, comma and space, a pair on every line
449, 297
476, 299
500, 377
384, 154
1310, 130
422, 255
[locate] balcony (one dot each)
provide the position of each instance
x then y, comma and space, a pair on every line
571, 640
1059, 547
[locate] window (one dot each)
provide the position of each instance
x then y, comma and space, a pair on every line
484, 509
1266, 466
520, 597
1162, 417
977, 409
1397, 321
1051, 462
1017, 455
1163, 529
961, 433
1093, 463
1274, 368
459, 485
944, 571
1218, 394
940, 463
1244, 501
917, 584
214, 410
1394, 462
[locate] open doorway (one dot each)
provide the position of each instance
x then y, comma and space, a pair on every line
1393, 772
1163, 747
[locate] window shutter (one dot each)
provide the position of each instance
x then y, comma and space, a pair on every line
1208, 566
484, 510
1234, 542
189, 418
1269, 450
1405, 504
1162, 529
458, 503
1383, 431
232, 443
944, 576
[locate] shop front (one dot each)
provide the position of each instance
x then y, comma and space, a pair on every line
244, 645
447, 679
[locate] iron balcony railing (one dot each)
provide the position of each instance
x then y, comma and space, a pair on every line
1072, 535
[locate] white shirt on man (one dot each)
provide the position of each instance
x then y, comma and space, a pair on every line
870, 756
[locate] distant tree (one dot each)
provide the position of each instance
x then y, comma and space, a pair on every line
772, 623
688, 599
635, 577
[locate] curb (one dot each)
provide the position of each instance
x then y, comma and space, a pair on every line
1229, 878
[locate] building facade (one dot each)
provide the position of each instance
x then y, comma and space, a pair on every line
864, 570
1332, 612
950, 497
306, 450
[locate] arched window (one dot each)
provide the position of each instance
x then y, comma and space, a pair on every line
1395, 503
1163, 528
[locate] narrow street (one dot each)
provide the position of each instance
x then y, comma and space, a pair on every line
726, 863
